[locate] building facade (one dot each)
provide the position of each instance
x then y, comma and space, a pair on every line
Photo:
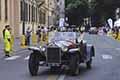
61, 8
21, 14
9, 14
60, 12
50, 9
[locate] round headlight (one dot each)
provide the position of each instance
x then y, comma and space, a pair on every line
43, 49
40, 47
64, 49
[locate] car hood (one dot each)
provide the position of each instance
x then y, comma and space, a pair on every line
63, 43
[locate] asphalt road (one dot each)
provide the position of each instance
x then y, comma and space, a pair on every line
106, 64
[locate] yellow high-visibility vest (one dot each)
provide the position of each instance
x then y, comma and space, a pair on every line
7, 34
7, 43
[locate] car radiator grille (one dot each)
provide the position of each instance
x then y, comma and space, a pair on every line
53, 55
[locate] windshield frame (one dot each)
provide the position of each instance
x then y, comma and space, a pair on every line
62, 36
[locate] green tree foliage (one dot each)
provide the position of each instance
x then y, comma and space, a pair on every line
76, 10
106, 9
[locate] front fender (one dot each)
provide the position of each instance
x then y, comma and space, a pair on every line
34, 48
37, 51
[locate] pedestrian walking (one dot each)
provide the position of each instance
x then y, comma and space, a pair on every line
7, 40
46, 34
38, 33
42, 34
28, 36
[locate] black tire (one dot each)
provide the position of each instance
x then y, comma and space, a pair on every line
89, 64
74, 65
33, 64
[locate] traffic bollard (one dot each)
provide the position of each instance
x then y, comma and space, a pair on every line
118, 37
34, 39
23, 41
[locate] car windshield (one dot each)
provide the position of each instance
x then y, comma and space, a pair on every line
62, 36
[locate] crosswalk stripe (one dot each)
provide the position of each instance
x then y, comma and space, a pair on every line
26, 58
12, 58
106, 56
118, 49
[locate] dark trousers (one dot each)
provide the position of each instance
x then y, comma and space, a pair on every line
28, 41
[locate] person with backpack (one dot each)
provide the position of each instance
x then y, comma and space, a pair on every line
28, 36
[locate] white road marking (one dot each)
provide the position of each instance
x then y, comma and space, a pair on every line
12, 58
61, 77
106, 56
26, 58
118, 49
